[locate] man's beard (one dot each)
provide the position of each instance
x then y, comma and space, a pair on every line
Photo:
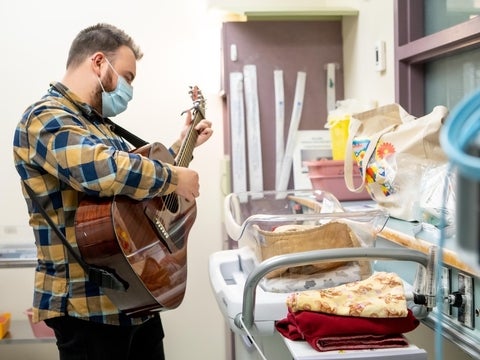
97, 93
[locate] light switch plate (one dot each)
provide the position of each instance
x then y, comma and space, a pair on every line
380, 56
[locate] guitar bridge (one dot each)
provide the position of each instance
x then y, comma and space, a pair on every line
160, 229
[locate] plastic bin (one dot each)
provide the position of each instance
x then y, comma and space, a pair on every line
277, 223
328, 175
4, 324
338, 128
40, 329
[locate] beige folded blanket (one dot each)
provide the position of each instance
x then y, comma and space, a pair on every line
382, 295
288, 239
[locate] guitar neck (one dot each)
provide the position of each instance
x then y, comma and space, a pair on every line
185, 153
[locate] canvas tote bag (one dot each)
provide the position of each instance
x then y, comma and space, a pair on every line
393, 149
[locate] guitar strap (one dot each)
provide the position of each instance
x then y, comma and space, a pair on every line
124, 133
99, 276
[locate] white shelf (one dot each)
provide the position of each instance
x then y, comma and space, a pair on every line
21, 332
300, 8
301, 350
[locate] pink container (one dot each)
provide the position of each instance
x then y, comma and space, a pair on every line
40, 329
329, 167
328, 175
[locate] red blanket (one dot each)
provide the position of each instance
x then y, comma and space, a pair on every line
329, 332
358, 342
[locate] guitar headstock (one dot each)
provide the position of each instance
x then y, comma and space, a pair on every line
198, 100
184, 155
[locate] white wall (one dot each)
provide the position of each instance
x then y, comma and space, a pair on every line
374, 22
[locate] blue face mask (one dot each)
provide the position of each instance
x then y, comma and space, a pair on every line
116, 101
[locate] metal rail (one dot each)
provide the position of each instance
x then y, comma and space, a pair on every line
308, 257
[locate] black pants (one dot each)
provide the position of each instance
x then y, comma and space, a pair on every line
85, 340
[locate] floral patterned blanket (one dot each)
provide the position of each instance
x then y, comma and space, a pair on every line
382, 295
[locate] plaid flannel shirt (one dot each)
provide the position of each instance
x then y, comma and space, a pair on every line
63, 149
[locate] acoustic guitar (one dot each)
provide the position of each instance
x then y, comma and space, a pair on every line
143, 243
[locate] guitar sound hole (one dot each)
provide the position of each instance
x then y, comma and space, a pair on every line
171, 203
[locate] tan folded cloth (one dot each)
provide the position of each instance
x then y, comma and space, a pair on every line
382, 295
290, 239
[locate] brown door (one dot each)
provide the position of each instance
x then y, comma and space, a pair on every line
290, 46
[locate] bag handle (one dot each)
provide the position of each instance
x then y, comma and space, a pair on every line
348, 164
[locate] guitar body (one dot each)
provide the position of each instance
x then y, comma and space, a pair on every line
143, 242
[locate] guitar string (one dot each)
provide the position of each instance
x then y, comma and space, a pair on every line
198, 115
190, 139
183, 154
188, 144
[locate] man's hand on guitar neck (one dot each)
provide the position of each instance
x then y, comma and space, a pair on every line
203, 128
188, 183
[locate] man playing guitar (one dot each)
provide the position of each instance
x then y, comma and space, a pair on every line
65, 150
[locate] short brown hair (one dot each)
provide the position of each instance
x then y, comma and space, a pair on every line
101, 37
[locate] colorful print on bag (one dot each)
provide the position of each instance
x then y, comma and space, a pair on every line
381, 169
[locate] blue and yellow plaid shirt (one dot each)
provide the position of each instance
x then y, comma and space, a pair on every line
63, 149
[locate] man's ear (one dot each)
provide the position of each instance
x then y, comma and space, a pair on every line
97, 60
